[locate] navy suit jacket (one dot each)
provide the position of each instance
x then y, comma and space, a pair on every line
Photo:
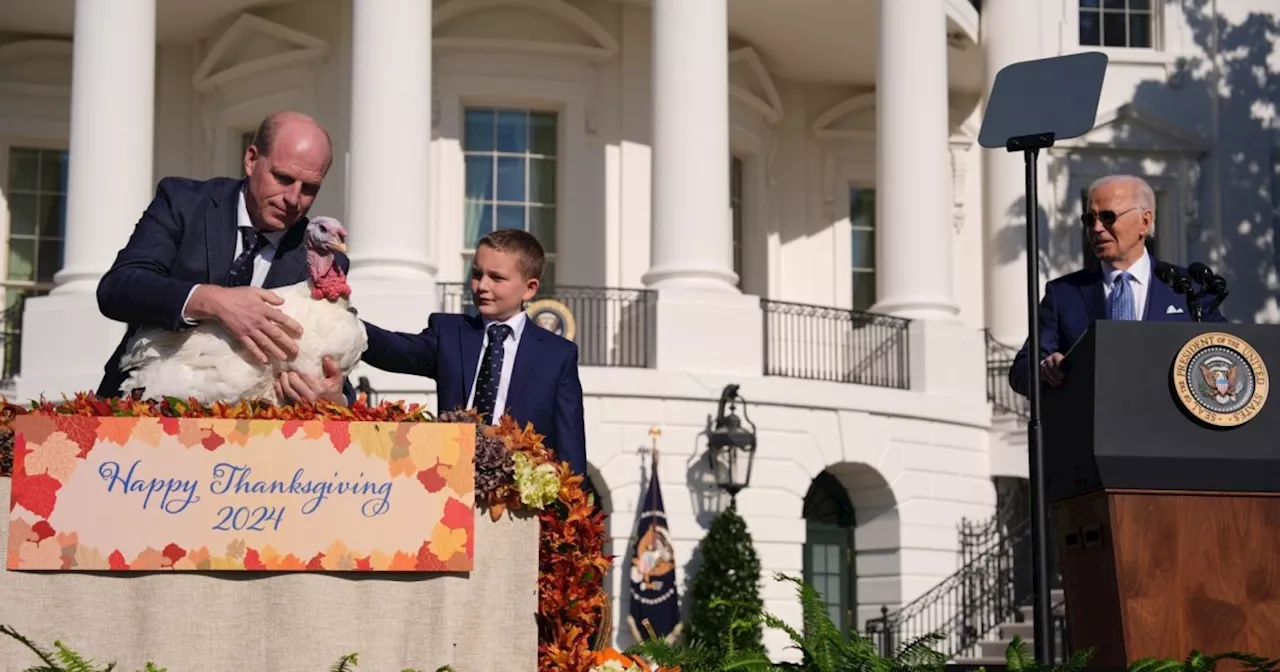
187, 236
544, 387
1072, 303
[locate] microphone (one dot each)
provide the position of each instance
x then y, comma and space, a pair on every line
1212, 282
1181, 284
1170, 275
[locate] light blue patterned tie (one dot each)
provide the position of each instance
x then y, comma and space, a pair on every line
1120, 304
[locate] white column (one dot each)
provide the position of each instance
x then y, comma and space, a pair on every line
391, 236
109, 181
1010, 34
913, 173
692, 230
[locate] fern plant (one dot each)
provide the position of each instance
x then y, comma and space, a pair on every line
1018, 659
693, 654
63, 659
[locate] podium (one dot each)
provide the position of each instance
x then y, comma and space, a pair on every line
1163, 461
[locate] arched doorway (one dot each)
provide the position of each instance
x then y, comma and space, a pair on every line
829, 550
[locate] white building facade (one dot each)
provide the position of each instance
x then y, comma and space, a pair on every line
787, 195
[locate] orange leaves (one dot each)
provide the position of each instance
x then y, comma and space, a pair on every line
572, 564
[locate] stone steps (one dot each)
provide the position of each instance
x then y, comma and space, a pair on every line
991, 651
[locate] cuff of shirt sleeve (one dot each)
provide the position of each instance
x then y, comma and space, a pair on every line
183, 315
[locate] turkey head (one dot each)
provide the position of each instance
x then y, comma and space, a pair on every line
324, 237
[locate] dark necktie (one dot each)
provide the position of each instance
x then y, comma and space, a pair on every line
490, 373
242, 268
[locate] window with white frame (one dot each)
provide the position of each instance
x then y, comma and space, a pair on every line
735, 206
511, 169
37, 195
862, 222
1118, 23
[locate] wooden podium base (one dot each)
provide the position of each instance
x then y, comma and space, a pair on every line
1157, 574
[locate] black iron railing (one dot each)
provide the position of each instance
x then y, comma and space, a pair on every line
11, 330
612, 327
1002, 397
843, 346
970, 603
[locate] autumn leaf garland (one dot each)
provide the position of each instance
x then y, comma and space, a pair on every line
571, 559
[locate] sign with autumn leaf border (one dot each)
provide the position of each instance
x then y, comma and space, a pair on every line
206, 494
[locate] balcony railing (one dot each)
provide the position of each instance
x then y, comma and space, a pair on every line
844, 346
613, 327
11, 329
1002, 397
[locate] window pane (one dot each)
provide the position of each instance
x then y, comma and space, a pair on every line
833, 611
22, 255
513, 127
53, 172
833, 559
53, 213
479, 178
479, 222
22, 214
864, 250
24, 169
864, 290
543, 133
862, 207
1140, 30
50, 260
511, 179
1089, 3
542, 181
510, 216
478, 135
1140, 4
542, 224
1090, 29
1113, 4
1113, 29
818, 560
548, 287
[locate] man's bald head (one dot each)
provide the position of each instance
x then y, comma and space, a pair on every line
285, 165
297, 123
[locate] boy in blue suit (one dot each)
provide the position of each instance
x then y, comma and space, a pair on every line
500, 362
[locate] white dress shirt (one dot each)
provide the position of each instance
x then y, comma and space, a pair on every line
509, 348
261, 263
1139, 282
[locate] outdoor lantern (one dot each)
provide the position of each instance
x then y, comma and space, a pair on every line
732, 444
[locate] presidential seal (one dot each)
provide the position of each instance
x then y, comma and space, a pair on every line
553, 316
1220, 379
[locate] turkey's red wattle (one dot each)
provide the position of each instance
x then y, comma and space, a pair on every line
327, 279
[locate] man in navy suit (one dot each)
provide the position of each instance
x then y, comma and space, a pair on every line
1119, 220
211, 250
500, 362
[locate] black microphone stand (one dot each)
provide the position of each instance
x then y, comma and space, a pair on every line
1042, 623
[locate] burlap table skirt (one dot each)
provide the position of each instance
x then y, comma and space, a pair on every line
301, 622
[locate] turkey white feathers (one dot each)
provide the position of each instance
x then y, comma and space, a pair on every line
208, 364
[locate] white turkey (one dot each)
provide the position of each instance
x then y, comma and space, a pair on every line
208, 364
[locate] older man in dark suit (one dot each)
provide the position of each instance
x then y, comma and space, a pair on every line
1120, 218
212, 250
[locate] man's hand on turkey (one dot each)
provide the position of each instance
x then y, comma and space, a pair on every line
249, 315
297, 386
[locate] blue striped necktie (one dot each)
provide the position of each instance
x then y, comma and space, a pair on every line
1120, 304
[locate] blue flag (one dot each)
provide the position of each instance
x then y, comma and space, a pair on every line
653, 569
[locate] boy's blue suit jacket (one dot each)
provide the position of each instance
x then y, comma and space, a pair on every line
544, 387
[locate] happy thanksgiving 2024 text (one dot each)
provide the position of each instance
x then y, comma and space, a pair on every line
175, 495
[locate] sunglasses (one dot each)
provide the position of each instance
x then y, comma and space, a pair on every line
1107, 217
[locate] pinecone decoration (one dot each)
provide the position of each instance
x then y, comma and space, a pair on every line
494, 466
456, 416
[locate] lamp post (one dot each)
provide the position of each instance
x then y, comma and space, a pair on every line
731, 443
365, 390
